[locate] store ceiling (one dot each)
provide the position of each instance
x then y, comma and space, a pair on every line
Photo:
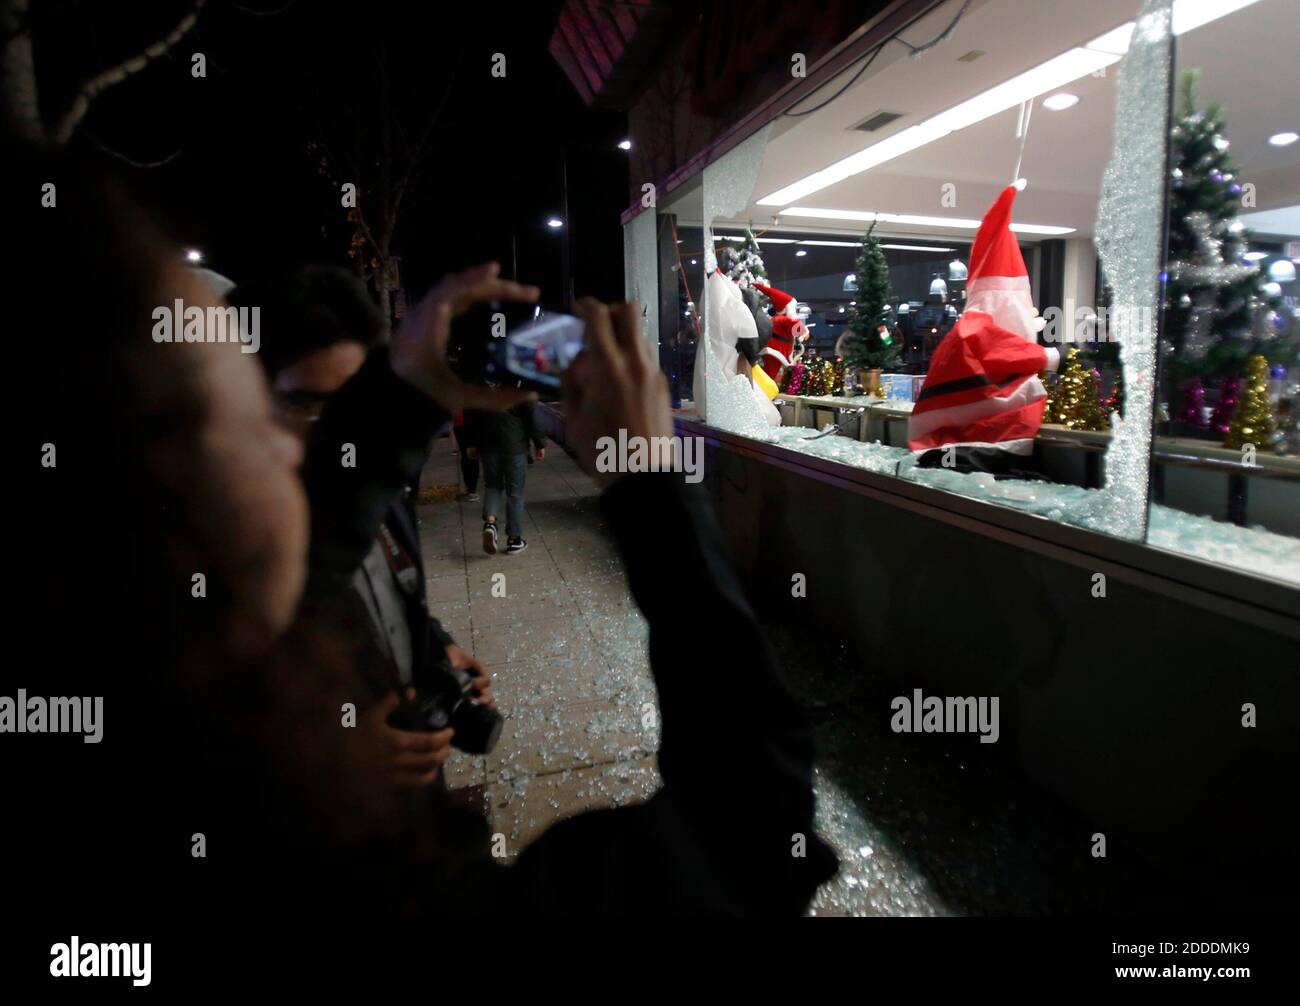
1248, 65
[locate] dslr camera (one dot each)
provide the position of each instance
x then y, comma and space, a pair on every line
445, 698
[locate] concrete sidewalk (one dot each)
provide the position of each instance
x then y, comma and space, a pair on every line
557, 628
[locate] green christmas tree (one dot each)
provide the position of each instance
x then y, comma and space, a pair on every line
867, 347
1213, 297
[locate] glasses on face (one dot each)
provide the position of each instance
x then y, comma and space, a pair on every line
297, 408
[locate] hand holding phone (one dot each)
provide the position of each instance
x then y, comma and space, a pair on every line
540, 350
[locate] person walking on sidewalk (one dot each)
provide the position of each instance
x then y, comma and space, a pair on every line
468, 460
500, 442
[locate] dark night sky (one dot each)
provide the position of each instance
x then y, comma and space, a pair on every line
244, 187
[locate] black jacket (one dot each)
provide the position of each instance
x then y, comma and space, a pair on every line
391, 426
504, 432
704, 844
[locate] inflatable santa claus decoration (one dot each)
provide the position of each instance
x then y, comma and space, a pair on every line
982, 392
787, 332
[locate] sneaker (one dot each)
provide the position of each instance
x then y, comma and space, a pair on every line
489, 537
469, 498
515, 545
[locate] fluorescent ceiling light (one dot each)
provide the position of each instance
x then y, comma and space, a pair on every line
1062, 69
914, 220
1283, 139
1115, 41
877, 153
761, 241
832, 244
1187, 15
1254, 256
1190, 14
1060, 101
924, 248
1058, 71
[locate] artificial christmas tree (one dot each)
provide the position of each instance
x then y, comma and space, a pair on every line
1252, 422
1114, 402
1223, 412
871, 344
1212, 297
1049, 407
1075, 404
820, 378
1191, 411
746, 267
796, 379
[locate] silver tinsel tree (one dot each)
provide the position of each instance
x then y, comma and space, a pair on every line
747, 265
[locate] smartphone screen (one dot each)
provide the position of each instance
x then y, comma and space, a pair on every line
540, 349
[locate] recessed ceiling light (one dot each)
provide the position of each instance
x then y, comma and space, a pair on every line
555, 223
625, 145
1283, 139
194, 255
800, 253
1060, 102
1254, 256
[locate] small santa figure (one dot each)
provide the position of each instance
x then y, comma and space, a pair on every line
982, 392
787, 332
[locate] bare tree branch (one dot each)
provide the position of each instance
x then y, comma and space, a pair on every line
67, 124
260, 13
127, 159
413, 161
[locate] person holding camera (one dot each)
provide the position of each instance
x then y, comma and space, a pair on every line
697, 846
318, 325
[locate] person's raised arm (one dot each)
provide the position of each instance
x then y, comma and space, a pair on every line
732, 828
373, 437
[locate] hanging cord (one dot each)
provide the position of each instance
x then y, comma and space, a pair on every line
681, 271
1022, 134
871, 58
913, 52
942, 36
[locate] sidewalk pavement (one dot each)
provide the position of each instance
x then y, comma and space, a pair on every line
564, 642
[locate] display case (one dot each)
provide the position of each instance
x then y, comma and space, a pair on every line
1158, 227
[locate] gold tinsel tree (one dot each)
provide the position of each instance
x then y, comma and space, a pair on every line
1049, 406
837, 377
1074, 402
1252, 422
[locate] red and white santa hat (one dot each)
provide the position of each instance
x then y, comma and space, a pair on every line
982, 388
782, 302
